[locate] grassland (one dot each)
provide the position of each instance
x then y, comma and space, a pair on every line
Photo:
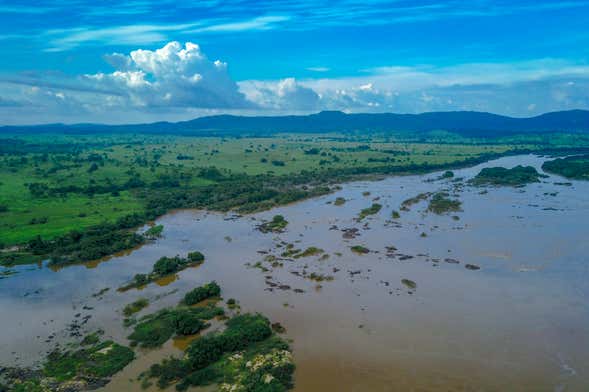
51, 185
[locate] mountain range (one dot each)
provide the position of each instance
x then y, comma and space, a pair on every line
470, 124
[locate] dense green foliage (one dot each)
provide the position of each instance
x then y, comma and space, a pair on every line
276, 225
241, 331
209, 290
196, 257
91, 244
373, 209
155, 329
500, 176
154, 232
575, 167
163, 267
246, 356
441, 204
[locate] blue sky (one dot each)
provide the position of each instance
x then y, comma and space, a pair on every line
77, 61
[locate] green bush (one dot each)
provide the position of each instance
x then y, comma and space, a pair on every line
241, 331
166, 265
196, 256
201, 293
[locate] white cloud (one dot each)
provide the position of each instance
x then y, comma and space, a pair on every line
177, 82
174, 75
59, 40
285, 94
318, 69
259, 23
66, 39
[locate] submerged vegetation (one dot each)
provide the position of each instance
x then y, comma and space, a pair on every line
296, 253
135, 306
101, 360
310, 251
500, 176
574, 167
407, 204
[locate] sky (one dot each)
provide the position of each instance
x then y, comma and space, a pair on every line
77, 61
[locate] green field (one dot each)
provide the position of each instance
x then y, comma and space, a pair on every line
82, 180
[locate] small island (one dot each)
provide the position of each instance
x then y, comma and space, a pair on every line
500, 176
373, 209
85, 366
276, 225
165, 266
246, 354
440, 203
574, 168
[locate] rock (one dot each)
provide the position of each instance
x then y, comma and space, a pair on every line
472, 267
409, 283
451, 261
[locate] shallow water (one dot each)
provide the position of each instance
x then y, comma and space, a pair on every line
521, 322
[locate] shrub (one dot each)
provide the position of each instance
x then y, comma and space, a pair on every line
196, 256
201, 293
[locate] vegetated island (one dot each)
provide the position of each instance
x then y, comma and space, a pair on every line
244, 354
155, 329
276, 225
440, 203
88, 366
500, 176
407, 204
165, 266
574, 167
373, 209
359, 249
247, 355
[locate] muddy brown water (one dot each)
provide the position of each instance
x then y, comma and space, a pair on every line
520, 323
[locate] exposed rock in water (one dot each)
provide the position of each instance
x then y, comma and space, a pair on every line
409, 283
472, 267
350, 233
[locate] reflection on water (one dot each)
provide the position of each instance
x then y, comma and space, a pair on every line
182, 342
166, 280
518, 323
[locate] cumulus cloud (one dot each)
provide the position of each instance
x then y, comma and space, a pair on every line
285, 94
172, 76
178, 82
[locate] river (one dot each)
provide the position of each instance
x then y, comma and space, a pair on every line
519, 323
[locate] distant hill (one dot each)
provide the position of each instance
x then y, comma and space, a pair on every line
475, 124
